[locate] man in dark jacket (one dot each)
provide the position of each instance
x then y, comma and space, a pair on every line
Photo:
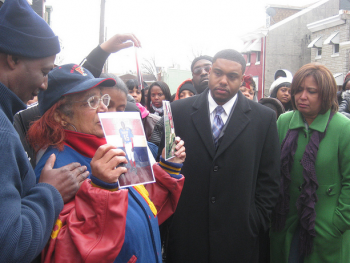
231, 170
28, 210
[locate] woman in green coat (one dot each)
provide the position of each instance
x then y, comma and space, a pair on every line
312, 216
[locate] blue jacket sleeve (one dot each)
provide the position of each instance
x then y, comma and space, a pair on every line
28, 211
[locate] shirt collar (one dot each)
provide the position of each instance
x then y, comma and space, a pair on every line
227, 106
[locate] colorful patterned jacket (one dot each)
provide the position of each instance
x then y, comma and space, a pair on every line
102, 225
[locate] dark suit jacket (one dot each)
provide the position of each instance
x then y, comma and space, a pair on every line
228, 194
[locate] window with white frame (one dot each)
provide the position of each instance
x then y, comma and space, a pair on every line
317, 44
333, 40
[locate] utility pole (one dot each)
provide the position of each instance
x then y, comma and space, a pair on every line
102, 22
102, 28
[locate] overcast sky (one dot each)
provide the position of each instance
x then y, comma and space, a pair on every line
172, 31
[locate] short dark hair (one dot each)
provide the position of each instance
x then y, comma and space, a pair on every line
233, 55
132, 83
327, 87
209, 58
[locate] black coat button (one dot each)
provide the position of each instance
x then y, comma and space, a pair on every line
213, 200
216, 168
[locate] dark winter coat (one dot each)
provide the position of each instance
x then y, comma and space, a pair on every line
229, 193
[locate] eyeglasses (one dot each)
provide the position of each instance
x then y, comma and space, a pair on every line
198, 71
94, 101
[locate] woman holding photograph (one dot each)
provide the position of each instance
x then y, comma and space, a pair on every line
102, 222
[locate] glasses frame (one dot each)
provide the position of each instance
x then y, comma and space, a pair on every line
198, 71
100, 99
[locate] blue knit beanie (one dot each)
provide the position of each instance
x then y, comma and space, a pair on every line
24, 33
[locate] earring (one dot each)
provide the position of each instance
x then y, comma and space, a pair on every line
75, 129
65, 124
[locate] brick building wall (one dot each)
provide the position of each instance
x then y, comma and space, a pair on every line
282, 13
335, 63
287, 43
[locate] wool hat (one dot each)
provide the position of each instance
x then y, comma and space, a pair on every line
274, 104
68, 79
187, 86
279, 81
24, 33
283, 73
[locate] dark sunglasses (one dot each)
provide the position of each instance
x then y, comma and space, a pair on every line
198, 71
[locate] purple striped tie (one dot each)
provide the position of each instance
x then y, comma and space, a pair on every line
217, 124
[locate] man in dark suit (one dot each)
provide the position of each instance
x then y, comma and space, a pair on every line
232, 177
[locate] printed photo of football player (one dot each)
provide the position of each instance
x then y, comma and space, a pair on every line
128, 144
124, 129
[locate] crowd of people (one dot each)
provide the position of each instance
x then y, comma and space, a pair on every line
251, 180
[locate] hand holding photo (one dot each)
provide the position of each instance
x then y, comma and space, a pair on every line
169, 131
124, 130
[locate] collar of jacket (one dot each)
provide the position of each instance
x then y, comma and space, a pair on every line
319, 124
9, 102
200, 118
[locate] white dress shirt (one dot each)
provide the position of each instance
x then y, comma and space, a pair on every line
227, 108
